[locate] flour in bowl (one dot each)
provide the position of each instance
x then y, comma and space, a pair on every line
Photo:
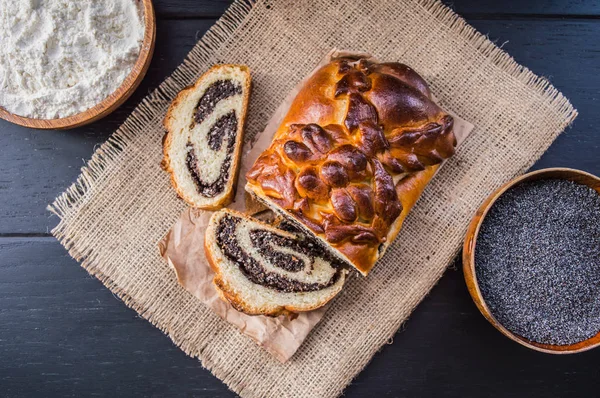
62, 57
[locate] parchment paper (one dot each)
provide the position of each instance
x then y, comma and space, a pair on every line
183, 246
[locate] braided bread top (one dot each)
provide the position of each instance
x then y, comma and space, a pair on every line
359, 143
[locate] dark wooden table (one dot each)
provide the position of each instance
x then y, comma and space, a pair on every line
63, 334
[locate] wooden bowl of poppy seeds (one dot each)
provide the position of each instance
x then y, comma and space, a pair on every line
531, 260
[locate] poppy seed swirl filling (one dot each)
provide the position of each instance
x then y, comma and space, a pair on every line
281, 253
216, 92
223, 130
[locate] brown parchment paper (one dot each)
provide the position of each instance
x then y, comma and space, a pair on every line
183, 246
122, 205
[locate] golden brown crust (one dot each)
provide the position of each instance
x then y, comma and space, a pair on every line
168, 138
236, 302
359, 144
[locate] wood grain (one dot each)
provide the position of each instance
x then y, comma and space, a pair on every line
186, 9
470, 8
524, 8
63, 334
113, 101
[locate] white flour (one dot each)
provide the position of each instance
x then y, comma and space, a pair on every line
62, 57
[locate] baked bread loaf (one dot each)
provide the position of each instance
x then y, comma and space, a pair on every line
205, 125
263, 270
353, 154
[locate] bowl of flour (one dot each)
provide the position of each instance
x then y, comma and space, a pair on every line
67, 63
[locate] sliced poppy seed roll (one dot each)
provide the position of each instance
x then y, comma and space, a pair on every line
204, 137
265, 270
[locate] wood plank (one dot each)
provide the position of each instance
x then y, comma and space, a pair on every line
214, 8
527, 7
37, 166
190, 8
568, 54
63, 334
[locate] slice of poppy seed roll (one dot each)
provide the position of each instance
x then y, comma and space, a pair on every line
204, 137
263, 270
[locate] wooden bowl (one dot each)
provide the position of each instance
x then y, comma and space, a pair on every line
111, 102
578, 176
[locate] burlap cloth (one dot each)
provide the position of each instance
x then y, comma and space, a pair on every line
122, 205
